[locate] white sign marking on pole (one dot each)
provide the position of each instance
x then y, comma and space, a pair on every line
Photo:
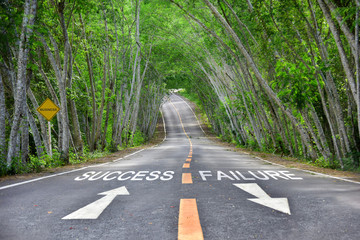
93, 210
279, 204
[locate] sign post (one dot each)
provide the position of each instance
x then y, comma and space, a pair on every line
48, 109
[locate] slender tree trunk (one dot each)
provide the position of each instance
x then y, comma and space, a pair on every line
24, 137
76, 132
341, 50
344, 27
357, 63
35, 133
2, 120
92, 87
135, 112
65, 148
332, 93
20, 92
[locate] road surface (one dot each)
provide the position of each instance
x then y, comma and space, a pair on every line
185, 188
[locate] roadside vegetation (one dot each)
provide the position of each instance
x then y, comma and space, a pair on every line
276, 76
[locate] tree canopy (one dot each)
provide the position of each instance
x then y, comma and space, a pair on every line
279, 76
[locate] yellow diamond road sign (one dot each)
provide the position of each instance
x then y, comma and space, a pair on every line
48, 109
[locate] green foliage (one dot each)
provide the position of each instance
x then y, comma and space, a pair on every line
351, 161
139, 138
17, 167
3, 167
294, 84
326, 163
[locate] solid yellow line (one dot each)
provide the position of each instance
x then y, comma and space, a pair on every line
189, 221
186, 165
187, 178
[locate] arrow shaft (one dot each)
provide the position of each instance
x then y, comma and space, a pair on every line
253, 189
92, 210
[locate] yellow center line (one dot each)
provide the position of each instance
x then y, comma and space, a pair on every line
186, 165
187, 178
182, 125
189, 221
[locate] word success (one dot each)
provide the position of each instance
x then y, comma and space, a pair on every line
127, 175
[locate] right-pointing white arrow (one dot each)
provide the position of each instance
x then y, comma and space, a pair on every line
279, 204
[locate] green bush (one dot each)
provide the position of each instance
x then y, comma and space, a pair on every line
3, 168
351, 162
17, 167
322, 162
138, 138
36, 164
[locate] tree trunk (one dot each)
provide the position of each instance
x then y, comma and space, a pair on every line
92, 87
344, 28
341, 50
357, 63
20, 92
2, 120
35, 133
43, 126
65, 148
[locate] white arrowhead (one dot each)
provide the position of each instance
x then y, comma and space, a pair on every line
94, 209
279, 204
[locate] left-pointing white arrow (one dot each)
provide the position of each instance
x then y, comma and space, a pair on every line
93, 210
279, 204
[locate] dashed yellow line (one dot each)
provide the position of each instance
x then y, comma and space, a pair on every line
187, 178
189, 221
186, 165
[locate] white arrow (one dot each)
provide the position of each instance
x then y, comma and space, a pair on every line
93, 210
279, 204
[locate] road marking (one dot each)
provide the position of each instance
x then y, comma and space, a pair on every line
94, 209
187, 178
193, 113
249, 175
186, 165
182, 125
189, 221
116, 160
279, 204
188, 159
163, 119
126, 176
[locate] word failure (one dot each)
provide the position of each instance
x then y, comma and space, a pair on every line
248, 175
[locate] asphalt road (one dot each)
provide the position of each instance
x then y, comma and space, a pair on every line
149, 195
